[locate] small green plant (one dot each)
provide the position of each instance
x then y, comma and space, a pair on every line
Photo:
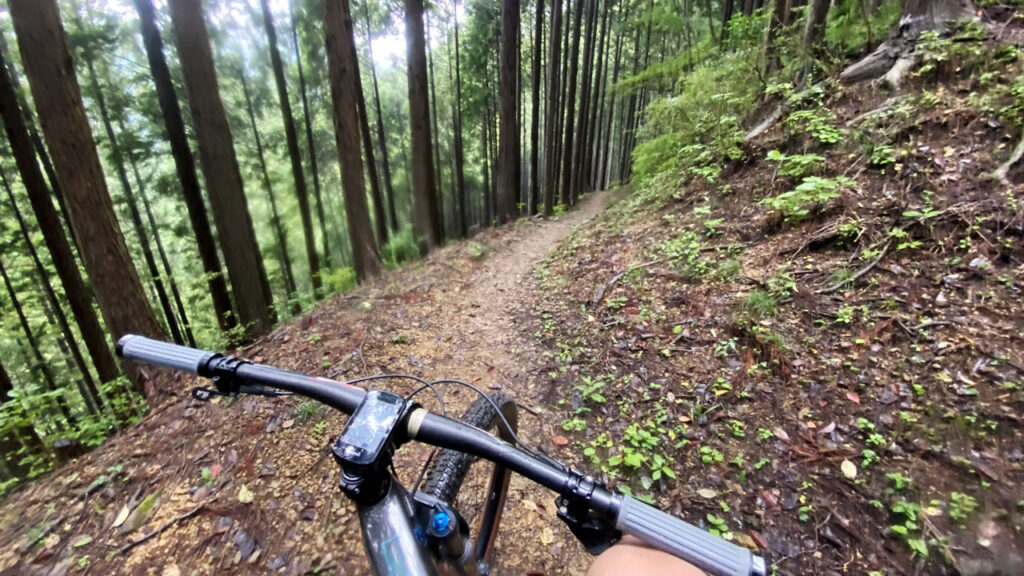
711, 227
718, 527
758, 304
904, 524
817, 122
961, 506
401, 247
797, 165
736, 427
590, 390
899, 481
764, 434
845, 315
340, 280
883, 155
709, 455
308, 410
804, 512
814, 191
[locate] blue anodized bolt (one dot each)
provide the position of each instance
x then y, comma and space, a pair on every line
441, 523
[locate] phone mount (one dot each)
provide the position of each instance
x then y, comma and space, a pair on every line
366, 445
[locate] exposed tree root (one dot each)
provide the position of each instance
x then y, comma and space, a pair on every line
1001, 174
859, 274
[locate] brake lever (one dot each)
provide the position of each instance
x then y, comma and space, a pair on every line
206, 394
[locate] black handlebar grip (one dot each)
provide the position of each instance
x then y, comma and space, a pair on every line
667, 533
149, 351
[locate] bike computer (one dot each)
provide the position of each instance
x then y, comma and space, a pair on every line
368, 432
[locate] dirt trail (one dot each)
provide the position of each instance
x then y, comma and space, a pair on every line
248, 486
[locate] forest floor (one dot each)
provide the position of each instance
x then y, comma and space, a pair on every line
248, 486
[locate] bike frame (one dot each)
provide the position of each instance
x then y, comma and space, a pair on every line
389, 536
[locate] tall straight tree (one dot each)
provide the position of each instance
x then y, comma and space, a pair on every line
538, 48
389, 187
341, 60
220, 166
284, 258
460, 157
551, 121
133, 207
570, 103
310, 142
185, 165
58, 100
508, 130
79, 295
426, 215
371, 168
292, 140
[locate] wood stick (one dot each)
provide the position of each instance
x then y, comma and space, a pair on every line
861, 272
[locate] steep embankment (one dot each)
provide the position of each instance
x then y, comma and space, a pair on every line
818, 351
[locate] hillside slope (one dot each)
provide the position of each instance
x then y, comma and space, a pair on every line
817, 350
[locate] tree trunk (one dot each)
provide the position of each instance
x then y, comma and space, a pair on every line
185, 166
775, 23
508, 130
292, 140
78, 293
341, 59
814, 29
133, 208
484, 140
562, 97
570, 104
460, 158
178, 304
65, 126
426, 216
284, 258
311, 143
371, 164
597, 105
220, 167
727, 11
42, 363
90, 394
435, 133
578, 151
535, 75
385, 168
551, 121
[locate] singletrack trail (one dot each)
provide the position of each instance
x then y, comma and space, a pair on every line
248, 486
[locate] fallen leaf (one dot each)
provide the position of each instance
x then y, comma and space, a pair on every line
171, 570
245, 496
780, 434
560, 440
707, 493
853, 397
547, 536
82, 541
828, 428
121, 516
849, 469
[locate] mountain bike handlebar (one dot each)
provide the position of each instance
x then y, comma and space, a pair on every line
617, 512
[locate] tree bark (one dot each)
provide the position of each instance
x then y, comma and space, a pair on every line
460, 157
185, 165
341, 60
220, 167
292, 140
570, 104
65, 126
284, 258
508, 129
775, 23
434, 132
426, 216
384, 162
535, 75
371, 163
814, 29
578, 151
597, 105
78, 293
551, 121
310, 143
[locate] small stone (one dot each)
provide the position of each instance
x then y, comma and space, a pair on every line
980, 264
941, 300
849, 469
